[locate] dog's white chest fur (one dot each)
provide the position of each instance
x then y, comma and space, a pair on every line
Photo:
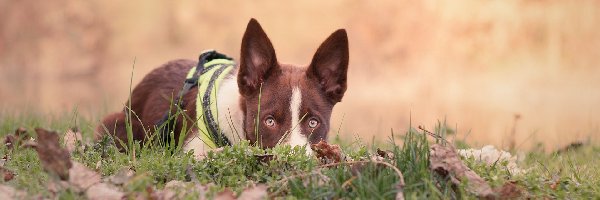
230, 118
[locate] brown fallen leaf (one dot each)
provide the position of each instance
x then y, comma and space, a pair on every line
554, 182
9, 141
72, 140
264, 158
257, 192
8, 193
327, 153
16, 139
22, 132
81, 177
54, 159
6, 174
445, 161
509, 190
104, 191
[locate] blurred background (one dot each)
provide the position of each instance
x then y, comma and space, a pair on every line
510, 73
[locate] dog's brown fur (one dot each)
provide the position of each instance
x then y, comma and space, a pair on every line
151, 99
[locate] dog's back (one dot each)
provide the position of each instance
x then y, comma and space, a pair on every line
151, 99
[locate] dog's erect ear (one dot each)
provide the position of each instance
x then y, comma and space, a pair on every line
257, 60
329, 65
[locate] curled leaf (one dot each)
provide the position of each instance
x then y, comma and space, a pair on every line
6, 174
509, 190
54, 159
446, 162
328, 153
17, 138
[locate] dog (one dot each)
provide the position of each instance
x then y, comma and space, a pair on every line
295, 108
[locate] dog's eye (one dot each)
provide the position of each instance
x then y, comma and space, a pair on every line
270, 121
313, 123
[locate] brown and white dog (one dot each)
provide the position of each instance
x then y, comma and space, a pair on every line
295, 102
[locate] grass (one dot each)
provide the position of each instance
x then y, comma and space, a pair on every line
294, 175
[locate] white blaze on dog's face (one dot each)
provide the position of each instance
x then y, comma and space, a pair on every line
295, 102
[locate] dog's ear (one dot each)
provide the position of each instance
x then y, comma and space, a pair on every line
257, 60
329, 65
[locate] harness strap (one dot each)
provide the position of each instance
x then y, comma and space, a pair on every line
208, 127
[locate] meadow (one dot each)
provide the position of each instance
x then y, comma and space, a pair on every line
521, 75
360, 169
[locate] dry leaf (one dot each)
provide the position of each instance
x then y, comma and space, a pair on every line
446, 162
264, 158
103, 191
22, 133
509, 190
15, 139
6, 174
7, 192
257, 192
54, 159
9, 141
227, 194
71, 139
490, 156
328, 153
81, 177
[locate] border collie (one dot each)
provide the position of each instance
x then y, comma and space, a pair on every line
295, 101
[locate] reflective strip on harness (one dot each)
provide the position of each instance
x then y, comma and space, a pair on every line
207, 115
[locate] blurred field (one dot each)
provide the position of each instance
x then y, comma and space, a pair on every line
477, 64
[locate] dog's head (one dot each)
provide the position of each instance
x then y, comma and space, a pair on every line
287, 104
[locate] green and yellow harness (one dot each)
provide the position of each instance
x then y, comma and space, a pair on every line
211, 70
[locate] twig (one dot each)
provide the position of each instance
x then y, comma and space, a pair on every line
436, 136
